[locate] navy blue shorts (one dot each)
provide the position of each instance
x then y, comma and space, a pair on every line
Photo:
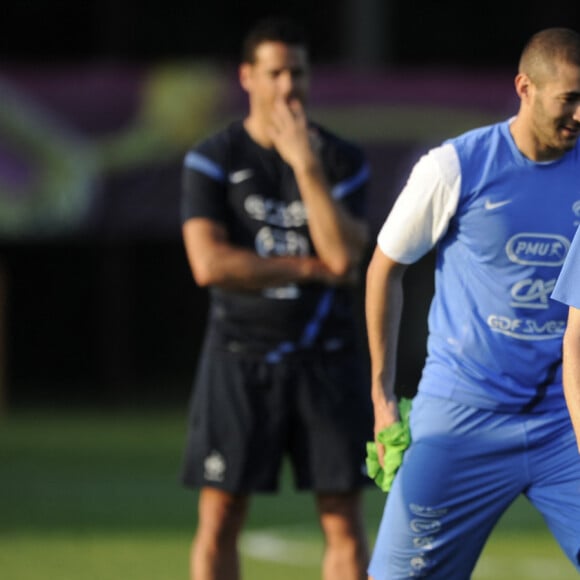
464, 468
246, 415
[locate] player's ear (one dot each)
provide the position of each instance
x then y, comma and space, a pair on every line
244, 74
523, 83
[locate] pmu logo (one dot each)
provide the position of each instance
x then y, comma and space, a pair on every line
537, 249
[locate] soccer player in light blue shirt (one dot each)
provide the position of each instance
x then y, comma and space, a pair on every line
500, 206
567, 291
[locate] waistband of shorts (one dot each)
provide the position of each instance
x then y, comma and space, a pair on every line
285, 350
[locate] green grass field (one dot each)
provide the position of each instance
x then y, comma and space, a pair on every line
96, 496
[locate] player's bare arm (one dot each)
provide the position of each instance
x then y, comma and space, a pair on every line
571, 368
383, 307
340, 239
215, 261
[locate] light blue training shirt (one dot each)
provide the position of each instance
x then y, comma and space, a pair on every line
494, 333
567, 289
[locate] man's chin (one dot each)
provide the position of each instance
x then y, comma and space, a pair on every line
570, 143
567, 140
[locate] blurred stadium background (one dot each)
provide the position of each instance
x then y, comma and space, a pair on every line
98, 103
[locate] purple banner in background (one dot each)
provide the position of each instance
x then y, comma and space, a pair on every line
96, 151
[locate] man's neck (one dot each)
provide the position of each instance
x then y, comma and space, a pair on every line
528, 143
257, 131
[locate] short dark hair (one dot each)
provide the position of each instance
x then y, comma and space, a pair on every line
546, 48
272, 29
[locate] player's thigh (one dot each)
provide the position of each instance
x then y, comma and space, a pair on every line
455, 482
332, 423
236, 430
555, 473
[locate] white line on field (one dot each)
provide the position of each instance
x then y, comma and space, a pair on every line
278, 545
292, 546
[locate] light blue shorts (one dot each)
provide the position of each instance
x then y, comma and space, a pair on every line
462, 471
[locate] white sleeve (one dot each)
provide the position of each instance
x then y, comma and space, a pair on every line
423, 209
